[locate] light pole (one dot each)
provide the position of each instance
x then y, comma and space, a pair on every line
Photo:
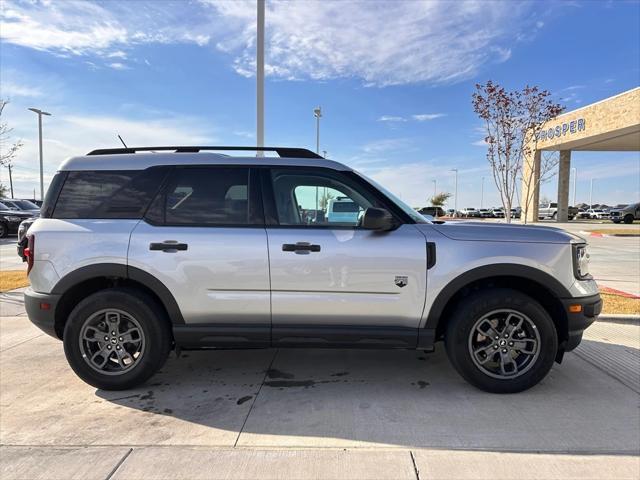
482, 193
260, 77
317, 112
591, 194
40, 114
435, 187
575, 181
455, 195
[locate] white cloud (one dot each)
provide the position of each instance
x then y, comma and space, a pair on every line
391, 118
381, 43
9, 89
423, 117
480, 143
70, 134
118, 66
104, 29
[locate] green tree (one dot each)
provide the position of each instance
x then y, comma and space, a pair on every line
440, 199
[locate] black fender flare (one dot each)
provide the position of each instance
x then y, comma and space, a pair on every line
118, 270
488, 271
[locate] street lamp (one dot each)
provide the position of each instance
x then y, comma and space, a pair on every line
317, 112
591, 194
260, 77
575, 181
455, 195
40, 114
482, 193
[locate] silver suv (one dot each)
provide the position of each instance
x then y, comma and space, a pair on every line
147, 250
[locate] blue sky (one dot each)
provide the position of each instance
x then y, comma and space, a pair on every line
394, 80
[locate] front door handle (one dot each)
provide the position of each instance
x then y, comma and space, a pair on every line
300, 247
169, 246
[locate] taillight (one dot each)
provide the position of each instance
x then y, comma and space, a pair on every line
30, 251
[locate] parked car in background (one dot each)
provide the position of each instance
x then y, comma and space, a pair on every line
204, 250
452, 213
433, 211
625, 214
470, 212
485, 213
10, 218
550, 211
343, 210
22, 205
497, 212
597, 213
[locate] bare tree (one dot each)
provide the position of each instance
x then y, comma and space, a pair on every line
8, 150
549, 161
513, 120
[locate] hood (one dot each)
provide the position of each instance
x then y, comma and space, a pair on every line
503, 232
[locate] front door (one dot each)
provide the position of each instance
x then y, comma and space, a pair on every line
204, 239
333, 282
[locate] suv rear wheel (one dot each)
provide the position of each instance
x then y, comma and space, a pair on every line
501, 340
116, 339
628, 219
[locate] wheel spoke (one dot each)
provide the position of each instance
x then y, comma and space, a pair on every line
527, 346
511, 328
93, 334
133, 335
508, 365
488, 351
104, 353
113, 319
489, 331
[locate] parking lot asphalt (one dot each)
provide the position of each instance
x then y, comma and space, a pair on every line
317, 414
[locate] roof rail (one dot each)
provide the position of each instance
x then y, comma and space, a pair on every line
284, 152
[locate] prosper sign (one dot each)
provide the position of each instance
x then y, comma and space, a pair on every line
563, 129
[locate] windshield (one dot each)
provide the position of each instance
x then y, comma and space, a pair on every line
5, 207
415, 216
25, 205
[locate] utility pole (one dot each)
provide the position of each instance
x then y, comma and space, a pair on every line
591, 194
10, 180
260, 78
455, 195
435, 187
575, 181
40, 114
482, 193
324, 153
317, 112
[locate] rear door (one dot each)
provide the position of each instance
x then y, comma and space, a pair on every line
203, 237
334, 282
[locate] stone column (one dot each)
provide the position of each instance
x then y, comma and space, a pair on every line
563, 185
530, 187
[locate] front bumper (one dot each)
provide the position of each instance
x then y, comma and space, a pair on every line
577, 322
41, 308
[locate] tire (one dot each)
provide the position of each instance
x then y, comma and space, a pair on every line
4, 230
141, 332
496, 303
554, 216
628, 219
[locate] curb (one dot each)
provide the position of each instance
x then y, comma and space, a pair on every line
603, 235
620, 318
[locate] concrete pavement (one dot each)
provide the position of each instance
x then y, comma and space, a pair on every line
317, 414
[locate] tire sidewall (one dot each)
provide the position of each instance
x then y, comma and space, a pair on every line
4, 230
479, 304
154, 327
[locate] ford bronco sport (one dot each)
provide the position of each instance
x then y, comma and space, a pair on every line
143, 250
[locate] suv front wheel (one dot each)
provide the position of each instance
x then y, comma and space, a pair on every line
501, 340
116, 339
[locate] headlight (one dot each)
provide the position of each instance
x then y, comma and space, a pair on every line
581, 261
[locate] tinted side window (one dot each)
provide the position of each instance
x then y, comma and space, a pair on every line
107, 193
204, 196
318, 198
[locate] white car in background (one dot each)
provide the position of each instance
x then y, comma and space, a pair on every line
597, 213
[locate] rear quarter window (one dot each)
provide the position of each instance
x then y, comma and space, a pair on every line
107, 193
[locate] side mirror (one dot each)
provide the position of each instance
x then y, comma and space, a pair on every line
378, 219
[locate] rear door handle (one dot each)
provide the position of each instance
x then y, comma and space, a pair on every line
170, 246
300, 247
